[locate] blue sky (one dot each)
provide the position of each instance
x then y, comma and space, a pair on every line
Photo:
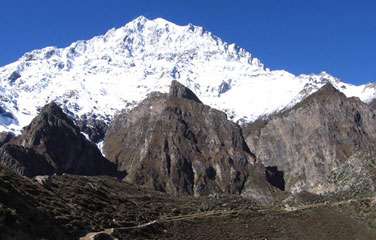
296, 35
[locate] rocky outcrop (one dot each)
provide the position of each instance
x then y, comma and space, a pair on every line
174, 143
6, 137
372, 104
53, 144
326, 143
178, 90
94, 128
25, 161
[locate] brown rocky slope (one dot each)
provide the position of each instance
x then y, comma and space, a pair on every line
324, 144
174, 143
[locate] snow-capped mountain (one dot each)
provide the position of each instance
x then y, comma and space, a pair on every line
116, 70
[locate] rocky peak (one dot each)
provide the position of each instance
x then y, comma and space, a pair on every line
53, 109
50, 121
323, 144
176, 144
180, 91
327, 91
52, 139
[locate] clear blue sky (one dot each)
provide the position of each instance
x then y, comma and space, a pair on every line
301, 36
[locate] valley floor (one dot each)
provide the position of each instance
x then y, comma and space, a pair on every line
73, 207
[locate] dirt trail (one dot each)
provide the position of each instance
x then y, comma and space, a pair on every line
322, 204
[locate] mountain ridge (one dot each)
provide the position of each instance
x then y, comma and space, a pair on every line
324, 144
100, 76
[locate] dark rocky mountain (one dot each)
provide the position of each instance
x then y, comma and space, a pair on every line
324, 144
53, 144
174, 143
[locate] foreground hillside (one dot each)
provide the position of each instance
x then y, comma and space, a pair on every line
70, 207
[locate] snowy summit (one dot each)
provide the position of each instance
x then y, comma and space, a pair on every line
114, 71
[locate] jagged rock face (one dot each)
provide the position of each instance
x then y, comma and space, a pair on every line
326, 143
25, 161
93, 127
53, 144
6, 137
372, 104
178, 90
174, 143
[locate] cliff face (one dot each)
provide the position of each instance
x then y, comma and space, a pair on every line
174, 143
326, 143
53, 144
